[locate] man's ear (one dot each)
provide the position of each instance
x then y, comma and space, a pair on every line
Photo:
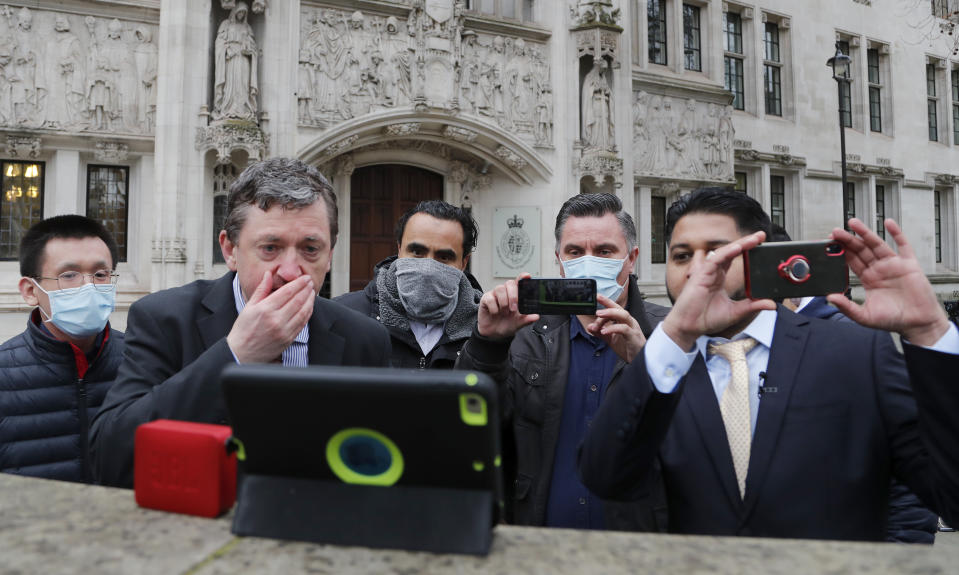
559, 262
633, 256
28, 291
229, 251
466, 261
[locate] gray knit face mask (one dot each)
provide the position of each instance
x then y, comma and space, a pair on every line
428, 289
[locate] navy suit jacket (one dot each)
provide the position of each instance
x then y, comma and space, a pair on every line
175, 350
837, 419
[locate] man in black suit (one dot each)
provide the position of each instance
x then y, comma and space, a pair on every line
278, 241
830, 413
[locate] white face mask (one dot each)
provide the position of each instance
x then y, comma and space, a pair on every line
81, 311
603, 270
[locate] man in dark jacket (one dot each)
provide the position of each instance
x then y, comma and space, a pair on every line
54, 375
424, 296
554, 370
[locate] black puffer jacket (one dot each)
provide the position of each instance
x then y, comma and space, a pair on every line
406, 351
46, 407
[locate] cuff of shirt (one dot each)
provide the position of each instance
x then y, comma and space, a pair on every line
948, 343
666, 362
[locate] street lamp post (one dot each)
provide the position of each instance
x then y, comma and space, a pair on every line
840, 73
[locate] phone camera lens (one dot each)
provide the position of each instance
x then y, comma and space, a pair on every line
834, 249
799, 270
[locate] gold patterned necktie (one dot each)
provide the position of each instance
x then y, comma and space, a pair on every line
734, 405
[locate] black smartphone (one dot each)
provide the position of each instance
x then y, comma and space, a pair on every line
557, 296
795, 269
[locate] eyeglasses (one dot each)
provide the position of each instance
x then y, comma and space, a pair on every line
102, 279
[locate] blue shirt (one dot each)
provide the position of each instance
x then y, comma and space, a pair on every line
591, 364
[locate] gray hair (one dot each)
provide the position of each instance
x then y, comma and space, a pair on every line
596, 206
286, 182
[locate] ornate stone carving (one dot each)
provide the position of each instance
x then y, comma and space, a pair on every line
947, 180
227, 136
597, 114
110, 152
170, 251
510, 157
592, 12
405, 129
691, 140
345, 165
235, 85
600, 167
747, 155
459, 134
458, 172
23, 147
64, 72
337, 148
669, 187
351, 64
258, 7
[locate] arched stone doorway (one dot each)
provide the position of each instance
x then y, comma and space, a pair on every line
379, 195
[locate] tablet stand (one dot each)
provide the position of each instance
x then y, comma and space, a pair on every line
436, 519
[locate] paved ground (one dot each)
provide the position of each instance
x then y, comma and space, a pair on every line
948, 540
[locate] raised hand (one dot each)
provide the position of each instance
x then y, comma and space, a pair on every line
704, 307
270, 321
899, 297
498, 316
618, 329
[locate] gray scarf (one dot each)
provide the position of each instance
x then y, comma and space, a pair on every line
392, 312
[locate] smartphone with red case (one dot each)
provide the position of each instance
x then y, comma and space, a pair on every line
779, 270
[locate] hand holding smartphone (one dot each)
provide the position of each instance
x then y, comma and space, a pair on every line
795, 269
557, 296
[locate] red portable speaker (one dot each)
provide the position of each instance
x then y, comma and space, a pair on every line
184, 467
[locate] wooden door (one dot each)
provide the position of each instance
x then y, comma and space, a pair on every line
379, 195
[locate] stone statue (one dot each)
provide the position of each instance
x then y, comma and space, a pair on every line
109, 73
6, 60
65, 69
597, 103
641, 138
544, 117
145, 57
235, 76
25, 73
306, 79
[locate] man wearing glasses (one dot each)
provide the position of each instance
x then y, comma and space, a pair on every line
54, 375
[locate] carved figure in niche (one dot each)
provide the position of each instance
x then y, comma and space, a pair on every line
710, 140
109, 68
469, 71
329, 44
641, 137
519, 80
362, 40
688, 140
306, 79
25, 74
145, 58
726, 135
544, 117
6, 59
398, 55
65, 68
235, 68
658, 129
492, 81
598, 108
673, 140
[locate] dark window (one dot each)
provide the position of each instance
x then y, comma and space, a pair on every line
771, 70
22, 185
940, 8
880, 211
658, 229
845, 93
875, 91
692, 47
932, 103
938, 217
656, 22
849, 202
741, 185
955, 105
223, 176
733, 45
108, 200
777, 196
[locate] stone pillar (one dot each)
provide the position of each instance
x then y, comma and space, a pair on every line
340, 270
66, 175
279, 44
182, 88
643, 217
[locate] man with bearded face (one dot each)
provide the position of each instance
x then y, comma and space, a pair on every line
766, 423
554, 371
424, 295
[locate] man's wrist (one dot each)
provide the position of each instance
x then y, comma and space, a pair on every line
927, 335
686, 341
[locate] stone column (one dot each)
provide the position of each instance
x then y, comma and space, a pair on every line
66, 175
340, 270
279, 45
643, 217
185, 42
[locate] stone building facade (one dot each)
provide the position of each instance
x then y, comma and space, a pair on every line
141, 112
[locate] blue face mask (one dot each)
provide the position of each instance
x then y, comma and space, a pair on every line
603, 270
82, 311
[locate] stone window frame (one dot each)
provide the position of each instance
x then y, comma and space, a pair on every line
936, 119
5, 189
792, 204
783, 25
664, 6
527, 9
772, 69
123, 246
851, 44
954, 89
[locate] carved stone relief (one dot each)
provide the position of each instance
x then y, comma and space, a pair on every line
171, 251
235, 85
682, 138
23, 147
225, 138
351, 64
110, 152
64, 72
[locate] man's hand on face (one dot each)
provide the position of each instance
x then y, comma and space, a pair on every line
270, 321
618, 329
704, 307
498, 315
898, 296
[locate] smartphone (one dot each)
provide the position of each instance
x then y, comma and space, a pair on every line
781, 270
557, 296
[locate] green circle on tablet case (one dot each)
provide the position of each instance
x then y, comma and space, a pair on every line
364, 457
